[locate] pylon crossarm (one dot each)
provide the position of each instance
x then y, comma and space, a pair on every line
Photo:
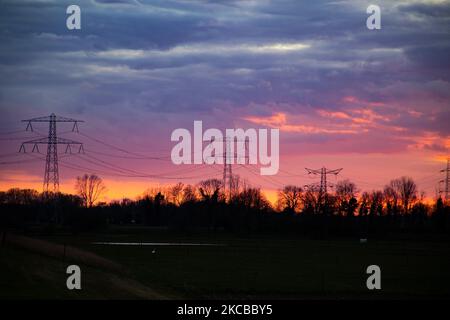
40, 141
64, 119
29, 126
58, 141
51, 118
67, 141
38, 119
75, 127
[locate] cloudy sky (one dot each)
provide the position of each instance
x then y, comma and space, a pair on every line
374, 102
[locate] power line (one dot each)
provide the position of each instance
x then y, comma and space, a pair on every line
136, 174
109, 165
107, 172
17, 161
265, 178
12, 154
162, 158
110, 145
12, 132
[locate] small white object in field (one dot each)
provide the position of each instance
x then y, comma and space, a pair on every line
362, 240
154, 251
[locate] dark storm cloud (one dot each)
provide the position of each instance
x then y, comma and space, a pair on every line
437, 10
436, 56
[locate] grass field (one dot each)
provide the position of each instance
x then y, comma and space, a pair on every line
284, 267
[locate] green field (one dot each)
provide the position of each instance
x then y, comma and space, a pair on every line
284, 267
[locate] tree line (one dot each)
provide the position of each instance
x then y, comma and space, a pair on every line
398, 208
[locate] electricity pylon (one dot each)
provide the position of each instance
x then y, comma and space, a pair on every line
446, 181
229, 156
51, 175
227, 172
323, 176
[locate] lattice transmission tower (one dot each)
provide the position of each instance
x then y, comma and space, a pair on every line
51, 175
227, 171
323, 176
229, 155
446, 181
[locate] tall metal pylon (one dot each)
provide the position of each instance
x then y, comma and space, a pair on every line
51, 175
228, 155
323, 176
227, 171
446, 181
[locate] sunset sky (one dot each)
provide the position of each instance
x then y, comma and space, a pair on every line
373, 102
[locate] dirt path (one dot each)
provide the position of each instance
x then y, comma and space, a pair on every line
112, 273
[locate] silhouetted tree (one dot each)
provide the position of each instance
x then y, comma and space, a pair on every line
290, 199
346, 197
189, 194
175, 194
376, 203
364, 204
90, 188
209, 189
404, 189
252, 198
391, 201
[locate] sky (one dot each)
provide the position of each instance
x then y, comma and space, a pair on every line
373, 102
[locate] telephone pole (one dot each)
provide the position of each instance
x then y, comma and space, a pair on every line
51, 175
446, 181
323, 176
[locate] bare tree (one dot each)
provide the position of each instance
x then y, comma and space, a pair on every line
90, 188
252, 198
364, 206
209, 189
290, 198
175, 194
189, 194
404, 189
311, 200
346, 197
238, 185
346, 189
391, 200
376, 203
158, 194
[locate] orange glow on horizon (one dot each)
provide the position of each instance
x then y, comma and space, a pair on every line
115, 189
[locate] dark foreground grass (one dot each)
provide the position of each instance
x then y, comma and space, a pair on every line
276, 266
27, 273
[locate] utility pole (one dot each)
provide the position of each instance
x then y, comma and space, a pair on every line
323, 176
51, 175
446, 181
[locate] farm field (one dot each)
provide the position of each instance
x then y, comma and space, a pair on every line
228, 267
